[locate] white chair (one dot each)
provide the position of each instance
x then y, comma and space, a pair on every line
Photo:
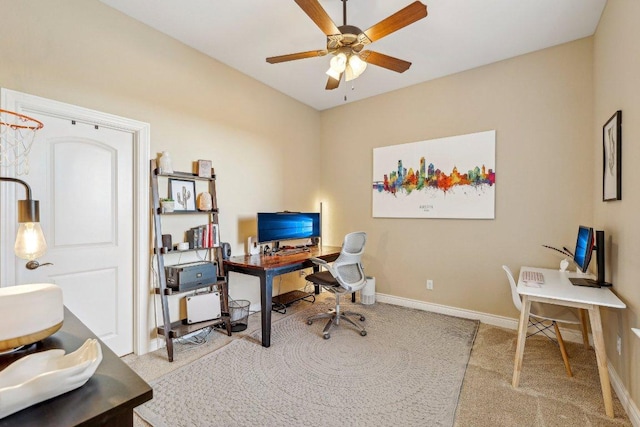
541, 313
344, 276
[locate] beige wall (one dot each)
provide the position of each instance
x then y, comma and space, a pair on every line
541, 108
616, 84
85, 53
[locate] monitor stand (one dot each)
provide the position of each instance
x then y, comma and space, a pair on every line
579, 281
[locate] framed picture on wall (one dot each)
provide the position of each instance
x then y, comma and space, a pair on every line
612, 158
183, 192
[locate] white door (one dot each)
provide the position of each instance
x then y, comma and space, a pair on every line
83, 176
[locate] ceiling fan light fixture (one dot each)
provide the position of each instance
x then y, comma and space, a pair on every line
355, 67
346, 42
339, 62
337, 65
333, 74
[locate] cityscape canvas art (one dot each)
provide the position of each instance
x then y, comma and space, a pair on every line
452, 177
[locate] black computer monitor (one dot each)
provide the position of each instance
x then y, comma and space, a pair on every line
279, 226
584, 248
585, 245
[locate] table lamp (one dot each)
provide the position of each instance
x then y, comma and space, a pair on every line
30, 243
35, 311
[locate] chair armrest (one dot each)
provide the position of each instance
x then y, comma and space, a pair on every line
318, 261
323, 263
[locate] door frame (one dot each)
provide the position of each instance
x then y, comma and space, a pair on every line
141, 132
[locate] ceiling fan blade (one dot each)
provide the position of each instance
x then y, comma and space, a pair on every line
333, 83
318, 15
410, 14
294, 56
385, 61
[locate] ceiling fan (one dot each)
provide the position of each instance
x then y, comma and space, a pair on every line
346, 42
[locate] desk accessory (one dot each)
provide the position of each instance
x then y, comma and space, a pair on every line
252, 246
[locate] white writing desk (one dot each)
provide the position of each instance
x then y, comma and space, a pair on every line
557, 289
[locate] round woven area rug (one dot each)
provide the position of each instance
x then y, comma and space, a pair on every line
408, 370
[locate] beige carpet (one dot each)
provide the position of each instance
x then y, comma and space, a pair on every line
407, 371
546, 396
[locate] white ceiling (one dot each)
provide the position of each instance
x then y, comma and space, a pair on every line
456, 35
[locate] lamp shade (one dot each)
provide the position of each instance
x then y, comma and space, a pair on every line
339, 62
355, 67
333, 74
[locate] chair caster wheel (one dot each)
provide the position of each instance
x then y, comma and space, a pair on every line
309, 322
362, 318
363, 333
326, 336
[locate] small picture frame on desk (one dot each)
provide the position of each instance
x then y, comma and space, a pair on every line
183, 192
612, 158
204, 168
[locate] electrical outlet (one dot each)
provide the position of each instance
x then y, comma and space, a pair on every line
619, 345
429, 285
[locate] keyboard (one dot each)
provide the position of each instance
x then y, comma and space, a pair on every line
293, 251
532, 276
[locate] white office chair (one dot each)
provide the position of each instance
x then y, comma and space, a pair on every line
541, 313
344, 276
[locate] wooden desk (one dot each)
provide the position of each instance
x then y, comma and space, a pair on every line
266, 267
107, 398
557, 289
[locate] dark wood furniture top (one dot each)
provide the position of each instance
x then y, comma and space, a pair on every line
107, 398
278, 262
266, 267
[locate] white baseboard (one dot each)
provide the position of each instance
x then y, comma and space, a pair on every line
625, 399
490, 319
510, 323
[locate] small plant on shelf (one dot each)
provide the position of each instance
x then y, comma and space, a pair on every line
167, 204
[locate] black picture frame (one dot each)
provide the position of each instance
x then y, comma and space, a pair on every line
612, 158
183, 192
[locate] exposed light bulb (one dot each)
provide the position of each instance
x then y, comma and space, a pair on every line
30, 243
